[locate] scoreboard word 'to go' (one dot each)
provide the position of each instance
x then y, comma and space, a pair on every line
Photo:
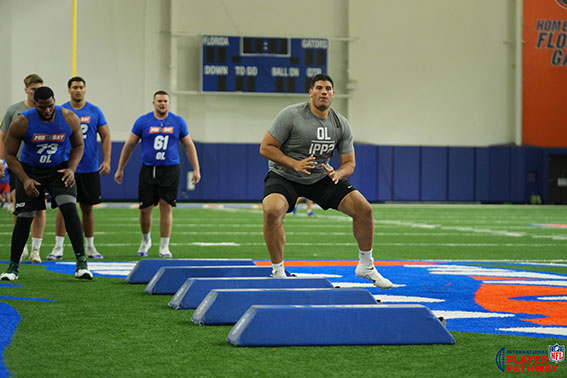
261, 64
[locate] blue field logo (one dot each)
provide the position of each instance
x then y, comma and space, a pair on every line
556, 353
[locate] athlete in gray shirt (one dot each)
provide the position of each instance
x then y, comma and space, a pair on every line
299, 145
303, 134
31, 83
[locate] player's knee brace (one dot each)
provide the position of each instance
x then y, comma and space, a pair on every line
26, 214
65, 198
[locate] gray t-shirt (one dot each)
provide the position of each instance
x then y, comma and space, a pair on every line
12, 112
301, 134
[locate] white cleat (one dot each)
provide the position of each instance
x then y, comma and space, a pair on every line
144, 248
84, 274
25, 253
34, 256
370, 273
278, 274
165, 253
56, 254
8, 276
92, 253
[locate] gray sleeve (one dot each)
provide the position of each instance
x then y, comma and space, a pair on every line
6, 120
11, 114
345, 145
282, 126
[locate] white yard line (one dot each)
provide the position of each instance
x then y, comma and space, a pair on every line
554, 331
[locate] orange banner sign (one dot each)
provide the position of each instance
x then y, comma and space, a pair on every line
545, 73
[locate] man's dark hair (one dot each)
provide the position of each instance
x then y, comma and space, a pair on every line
43, 93
319, 77
76, 78
161, 92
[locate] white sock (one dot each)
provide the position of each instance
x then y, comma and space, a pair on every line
90, 242
278, 268
59, 240
147, 237
36, 243
365, 257
164, 244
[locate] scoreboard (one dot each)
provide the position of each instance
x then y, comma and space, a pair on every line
261, 64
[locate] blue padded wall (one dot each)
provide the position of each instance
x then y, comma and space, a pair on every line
232, 183
110, 190
482, 172
385, 173
407, 174
364, 177
185, 167
518, 176
210, 162
257, 169
235, 172
499, 174
461, 170
433, 174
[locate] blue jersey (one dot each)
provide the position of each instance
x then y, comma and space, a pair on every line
45, 142
160, 138
91, 118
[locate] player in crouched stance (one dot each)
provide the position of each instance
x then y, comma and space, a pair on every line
44, 131
299, 145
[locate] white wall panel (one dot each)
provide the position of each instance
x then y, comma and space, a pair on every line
430, 72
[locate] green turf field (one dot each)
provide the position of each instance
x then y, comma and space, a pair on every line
107, 328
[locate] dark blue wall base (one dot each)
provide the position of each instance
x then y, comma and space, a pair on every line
235, 172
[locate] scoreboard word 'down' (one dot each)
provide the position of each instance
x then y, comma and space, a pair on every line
260, 64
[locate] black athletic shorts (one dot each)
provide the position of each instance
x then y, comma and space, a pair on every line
324, 192
158, 182
88, 188
13, 180
50, 181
